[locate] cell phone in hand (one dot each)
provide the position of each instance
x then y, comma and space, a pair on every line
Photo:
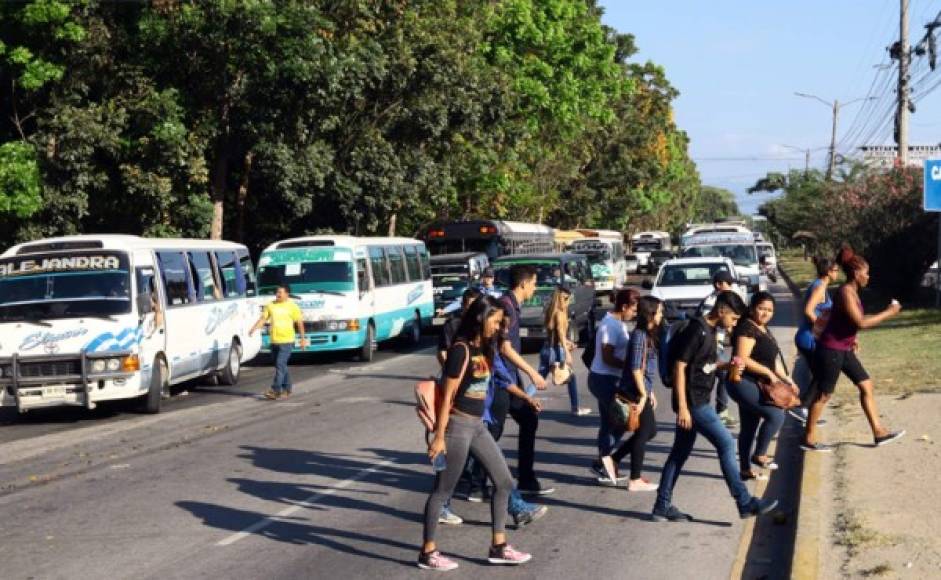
439, 463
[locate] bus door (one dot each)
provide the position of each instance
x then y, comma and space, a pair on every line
365, 288
150, 304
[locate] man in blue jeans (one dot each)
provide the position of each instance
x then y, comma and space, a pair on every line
695, 361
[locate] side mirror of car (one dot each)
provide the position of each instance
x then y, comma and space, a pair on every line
647, 284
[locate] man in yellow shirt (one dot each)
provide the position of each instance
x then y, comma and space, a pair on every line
283, 315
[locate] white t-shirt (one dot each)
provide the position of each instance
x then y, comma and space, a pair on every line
614, 332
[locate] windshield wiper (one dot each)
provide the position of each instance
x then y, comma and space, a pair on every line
42, 323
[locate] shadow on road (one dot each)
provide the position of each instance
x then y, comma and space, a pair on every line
291, 532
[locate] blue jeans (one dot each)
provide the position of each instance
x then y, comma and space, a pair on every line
707, 422
551, 355
603, 387
754, 412
282, 377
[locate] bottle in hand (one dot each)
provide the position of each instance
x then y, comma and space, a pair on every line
735, 373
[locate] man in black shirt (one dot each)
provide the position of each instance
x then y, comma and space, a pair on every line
695, 359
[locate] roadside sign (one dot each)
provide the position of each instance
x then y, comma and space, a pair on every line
933, 185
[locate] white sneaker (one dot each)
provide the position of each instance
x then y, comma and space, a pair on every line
642, 485
581, 412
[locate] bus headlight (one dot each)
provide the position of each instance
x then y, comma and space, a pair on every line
113, 364
98, 366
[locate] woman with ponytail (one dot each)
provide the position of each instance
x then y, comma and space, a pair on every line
836, 350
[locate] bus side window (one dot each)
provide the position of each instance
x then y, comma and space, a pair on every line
380, 270
227, 265
247, 273
203, 277
425, 263
396, 264
175, 280
362, 275
413, 262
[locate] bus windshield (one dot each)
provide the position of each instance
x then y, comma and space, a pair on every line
307, 277
740, 254
64, 285
648, 246
307, 270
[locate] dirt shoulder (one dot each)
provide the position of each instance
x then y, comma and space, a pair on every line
885, 509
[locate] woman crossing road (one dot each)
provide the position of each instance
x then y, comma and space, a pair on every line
837, 348
460, 430
555, 358
756, 348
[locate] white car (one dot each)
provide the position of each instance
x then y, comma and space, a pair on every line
631, 264
683, 283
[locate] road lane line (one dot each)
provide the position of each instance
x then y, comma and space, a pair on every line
309, 502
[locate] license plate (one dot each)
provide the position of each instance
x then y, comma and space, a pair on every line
524, 332
438, 321
54, 392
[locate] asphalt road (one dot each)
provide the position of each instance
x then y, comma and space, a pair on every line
330, 484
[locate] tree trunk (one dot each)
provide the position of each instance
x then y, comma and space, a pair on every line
243, 195
392, 225
219, 173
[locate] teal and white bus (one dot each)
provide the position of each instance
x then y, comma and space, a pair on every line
354, 292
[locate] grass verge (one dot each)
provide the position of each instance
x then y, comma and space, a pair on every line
800, 271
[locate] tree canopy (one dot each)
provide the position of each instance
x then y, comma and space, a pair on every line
260, 120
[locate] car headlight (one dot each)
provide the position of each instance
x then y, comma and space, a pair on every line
98, 366
114, 364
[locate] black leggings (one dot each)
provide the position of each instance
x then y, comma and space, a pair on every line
636, 446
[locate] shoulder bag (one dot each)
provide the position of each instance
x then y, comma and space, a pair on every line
779, 393
625, 414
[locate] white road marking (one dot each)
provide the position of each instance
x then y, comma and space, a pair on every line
309, 502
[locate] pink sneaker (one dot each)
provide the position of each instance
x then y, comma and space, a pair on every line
437, 562
641, 485
508, 555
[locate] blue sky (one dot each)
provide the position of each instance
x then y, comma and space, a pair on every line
738, 63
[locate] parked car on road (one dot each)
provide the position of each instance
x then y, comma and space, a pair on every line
659, 258
631, 264
552, 270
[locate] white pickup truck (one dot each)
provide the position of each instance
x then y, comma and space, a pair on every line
683, 283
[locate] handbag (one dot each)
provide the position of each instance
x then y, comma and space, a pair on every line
429, 395
624, 413
779, 393
561, 374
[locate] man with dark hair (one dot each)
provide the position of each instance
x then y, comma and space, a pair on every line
695, 359
283, 315
721, 282
522, 288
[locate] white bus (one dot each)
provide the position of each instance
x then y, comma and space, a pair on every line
741, 248
354, 292
728, 227
93, 318
644, 243
605, 252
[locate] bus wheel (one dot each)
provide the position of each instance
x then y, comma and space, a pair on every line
414, 331
159, 383
233, 366
369, 345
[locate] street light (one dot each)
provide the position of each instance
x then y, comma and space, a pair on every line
835, 107
806, 153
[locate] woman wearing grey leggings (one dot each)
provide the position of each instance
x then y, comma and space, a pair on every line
460, 430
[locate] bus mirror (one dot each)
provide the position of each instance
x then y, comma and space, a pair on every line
144, 304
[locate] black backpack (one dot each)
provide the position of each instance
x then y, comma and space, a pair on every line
588, 354
667, 352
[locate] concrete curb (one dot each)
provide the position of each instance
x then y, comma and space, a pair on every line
805, 564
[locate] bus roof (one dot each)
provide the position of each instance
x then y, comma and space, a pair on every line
341, 240
603, 234
720, 238
114, 242
649, 236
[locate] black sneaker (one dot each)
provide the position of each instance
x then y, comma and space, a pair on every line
758, 507
598, 470
889, 438
474, 495
670, 514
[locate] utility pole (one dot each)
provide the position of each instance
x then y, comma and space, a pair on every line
835, 106
905, 57
832, 160
806, 152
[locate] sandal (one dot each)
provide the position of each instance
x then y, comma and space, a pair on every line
271, 395
749, 475
766, 464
